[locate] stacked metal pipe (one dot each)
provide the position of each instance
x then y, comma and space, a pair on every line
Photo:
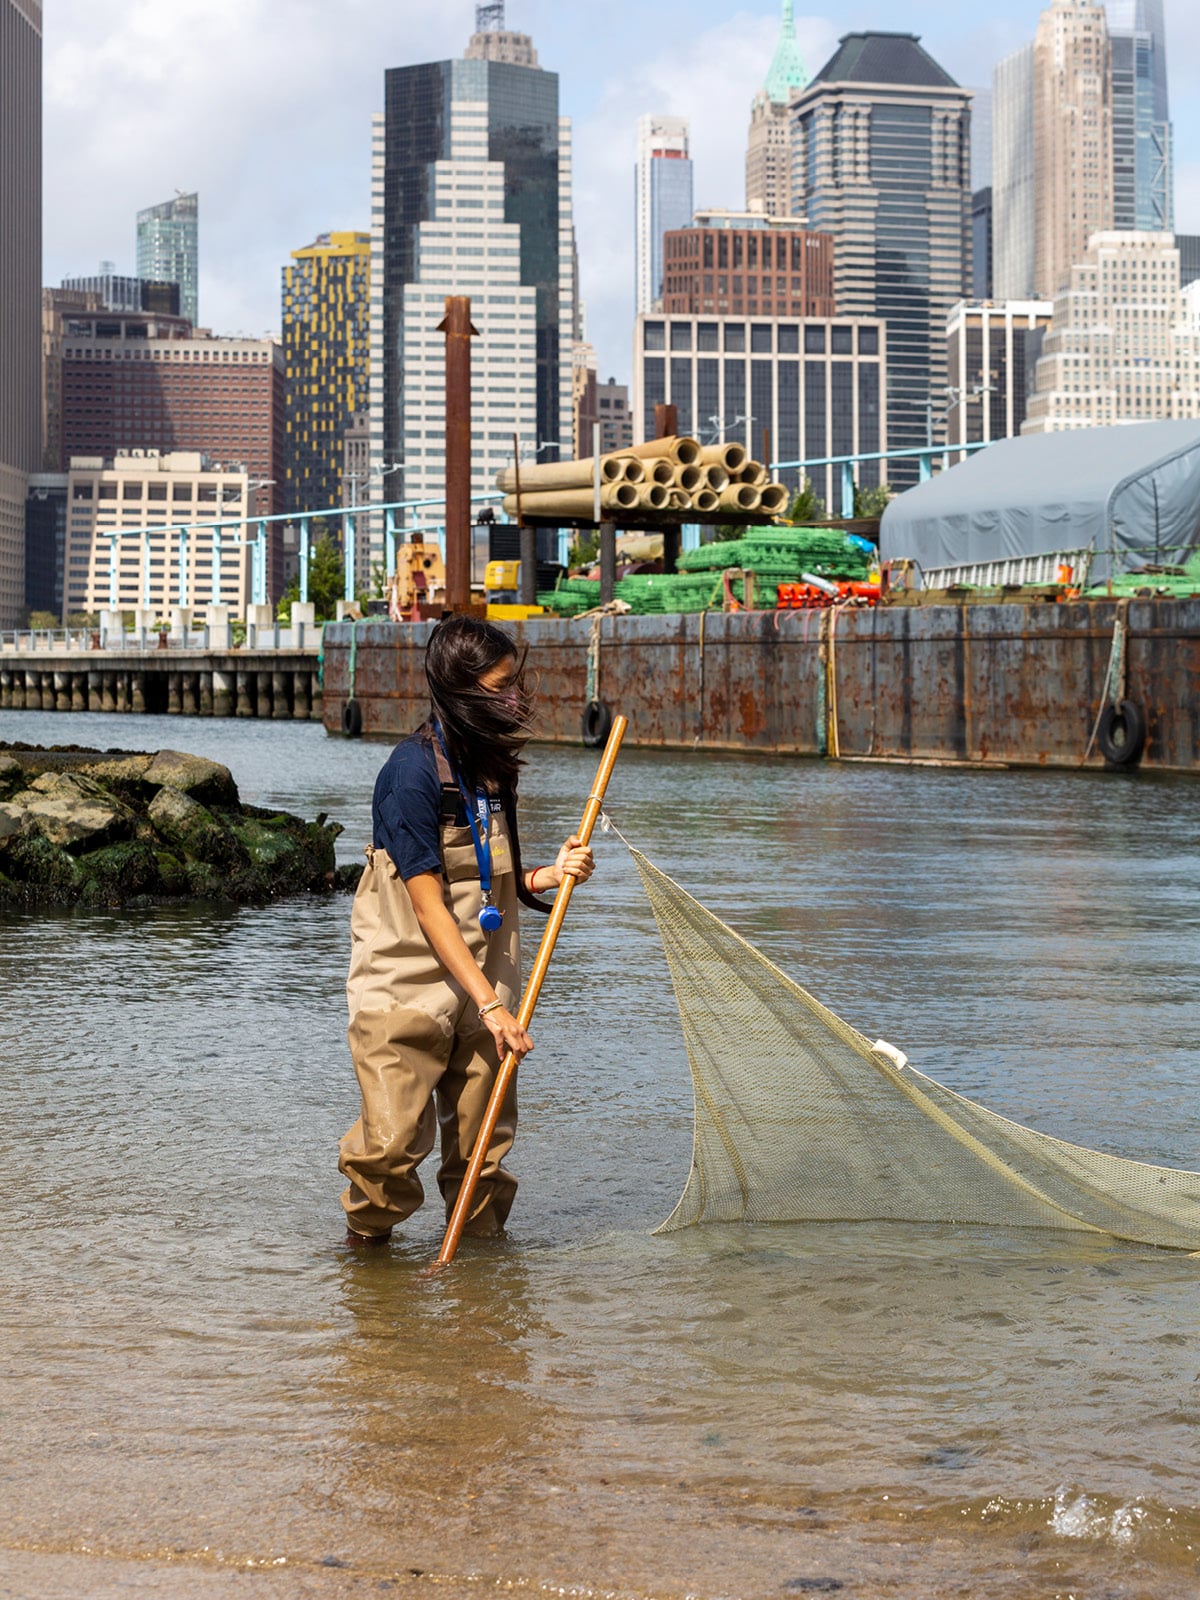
670, 480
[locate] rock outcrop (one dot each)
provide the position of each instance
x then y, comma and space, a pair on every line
118, 828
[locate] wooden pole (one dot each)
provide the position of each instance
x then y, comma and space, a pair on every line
533, 989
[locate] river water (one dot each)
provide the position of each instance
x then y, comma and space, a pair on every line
196, 1373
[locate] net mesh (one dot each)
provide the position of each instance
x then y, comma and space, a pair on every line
800, 1117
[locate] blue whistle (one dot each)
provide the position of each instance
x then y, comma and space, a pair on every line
490, 918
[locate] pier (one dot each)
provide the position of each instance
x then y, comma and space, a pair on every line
275, 674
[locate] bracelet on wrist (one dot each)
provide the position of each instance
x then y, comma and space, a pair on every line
492, 1005
533, 888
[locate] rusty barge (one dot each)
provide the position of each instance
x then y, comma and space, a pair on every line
1018, 684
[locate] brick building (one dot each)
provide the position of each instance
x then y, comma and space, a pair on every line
760, 270
136, 382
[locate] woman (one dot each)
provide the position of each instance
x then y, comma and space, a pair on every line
435, 964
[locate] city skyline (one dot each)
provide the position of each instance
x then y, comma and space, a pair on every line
708, 69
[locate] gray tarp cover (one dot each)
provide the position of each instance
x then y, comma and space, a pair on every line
1129, 492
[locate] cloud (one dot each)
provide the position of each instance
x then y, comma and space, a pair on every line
271, 124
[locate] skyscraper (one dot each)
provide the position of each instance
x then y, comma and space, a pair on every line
471, 195
1013, 176
326, 342
1143, 186
663, 190
1072, 138
1124, 345
768, 148
168, 247
20, 286
881, 159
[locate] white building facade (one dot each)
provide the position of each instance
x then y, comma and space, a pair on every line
1125, 341
146, 531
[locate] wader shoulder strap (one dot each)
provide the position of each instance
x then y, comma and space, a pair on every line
452, 813
523, 894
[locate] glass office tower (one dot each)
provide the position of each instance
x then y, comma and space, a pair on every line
1143, 180
662, 199
471, 195
168, 248
882, 161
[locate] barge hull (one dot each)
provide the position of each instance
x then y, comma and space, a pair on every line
1012, 684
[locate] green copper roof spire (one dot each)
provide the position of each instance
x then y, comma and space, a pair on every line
787, 69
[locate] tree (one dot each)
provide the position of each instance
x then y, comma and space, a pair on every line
871, 502
807, 506
584, 549
326, 583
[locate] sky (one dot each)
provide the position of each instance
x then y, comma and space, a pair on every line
264, 107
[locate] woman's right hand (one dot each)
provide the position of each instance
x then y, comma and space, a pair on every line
508, 1033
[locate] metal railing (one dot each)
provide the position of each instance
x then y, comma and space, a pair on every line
926, 457
152, 641
233, 533
191, 567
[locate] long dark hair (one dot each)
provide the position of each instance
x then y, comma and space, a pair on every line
484, 732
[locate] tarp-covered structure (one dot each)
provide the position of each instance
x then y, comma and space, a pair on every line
1129, 496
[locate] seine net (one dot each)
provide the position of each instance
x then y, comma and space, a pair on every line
800, 1117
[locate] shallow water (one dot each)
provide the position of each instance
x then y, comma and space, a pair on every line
195, 1370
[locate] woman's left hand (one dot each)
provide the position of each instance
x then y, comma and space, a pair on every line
574, 860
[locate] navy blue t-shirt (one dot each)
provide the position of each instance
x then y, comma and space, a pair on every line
406, 810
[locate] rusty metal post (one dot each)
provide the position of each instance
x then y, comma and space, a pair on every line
527, 576
608, 561
672, 546
456, 325
666, 422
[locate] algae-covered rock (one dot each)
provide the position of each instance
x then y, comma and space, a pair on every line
41, 866
115, 828
119, 874
194, 831
70, 811
284, 852
206, 781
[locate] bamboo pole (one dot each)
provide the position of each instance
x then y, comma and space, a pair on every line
529, 1000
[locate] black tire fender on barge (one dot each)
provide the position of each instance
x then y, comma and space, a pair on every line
352, 719
597, 724
1121, 733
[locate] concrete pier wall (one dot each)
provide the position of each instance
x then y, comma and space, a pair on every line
189, 684
1017, 684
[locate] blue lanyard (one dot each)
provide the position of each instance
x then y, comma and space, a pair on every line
478, 815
